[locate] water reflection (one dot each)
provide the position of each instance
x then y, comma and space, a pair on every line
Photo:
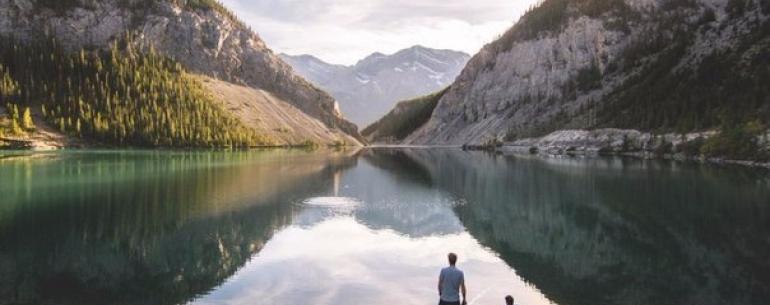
144, 227
292, 227
341, 261
617, 231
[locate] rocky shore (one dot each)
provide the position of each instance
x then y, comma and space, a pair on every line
626, 143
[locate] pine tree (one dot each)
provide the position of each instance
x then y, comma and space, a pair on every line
16, 129
121, 96
26, 122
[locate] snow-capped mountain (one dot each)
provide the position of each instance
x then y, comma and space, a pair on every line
371, 87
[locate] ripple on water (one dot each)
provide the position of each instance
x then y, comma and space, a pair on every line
332, 202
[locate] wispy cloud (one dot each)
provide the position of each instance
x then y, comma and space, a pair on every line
343, 31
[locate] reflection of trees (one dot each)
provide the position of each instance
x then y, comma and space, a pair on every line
402, 199
147, 229
612, 231
408, 169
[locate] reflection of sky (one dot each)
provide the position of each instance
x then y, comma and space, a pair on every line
391, 202
341, 261
380, 200
374, 239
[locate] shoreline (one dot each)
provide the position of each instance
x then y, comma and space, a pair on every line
521, 150
590, 152
642, 155
30, 146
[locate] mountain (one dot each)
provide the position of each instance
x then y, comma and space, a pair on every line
207, 42
371, 87
650, 65
403, 120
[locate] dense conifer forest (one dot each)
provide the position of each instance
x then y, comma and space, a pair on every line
121, 96
407, 117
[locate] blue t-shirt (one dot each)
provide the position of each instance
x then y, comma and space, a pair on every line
451, 278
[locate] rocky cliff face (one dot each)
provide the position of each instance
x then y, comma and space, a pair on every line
205, 40
370, 88
641, 64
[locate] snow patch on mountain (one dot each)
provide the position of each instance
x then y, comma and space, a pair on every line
371, 87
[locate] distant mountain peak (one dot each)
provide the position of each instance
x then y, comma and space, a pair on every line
419, 48
371, 87
301, 56
376, 55
372, 58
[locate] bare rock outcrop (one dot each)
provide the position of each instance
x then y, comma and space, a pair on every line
603, 141
630, 64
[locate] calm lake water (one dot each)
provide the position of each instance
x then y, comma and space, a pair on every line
374, 226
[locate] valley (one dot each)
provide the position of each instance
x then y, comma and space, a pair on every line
173, 152
367, 90
585, 65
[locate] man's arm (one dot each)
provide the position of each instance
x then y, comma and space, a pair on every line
440, 280
462, 288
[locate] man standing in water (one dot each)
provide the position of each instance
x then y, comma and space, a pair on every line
450, 282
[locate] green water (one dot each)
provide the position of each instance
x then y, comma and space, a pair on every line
373, 227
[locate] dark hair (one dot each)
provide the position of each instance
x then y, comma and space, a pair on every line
509, 300
452, 258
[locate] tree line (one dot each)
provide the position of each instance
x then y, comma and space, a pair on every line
121, 96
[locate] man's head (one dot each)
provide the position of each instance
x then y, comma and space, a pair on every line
509, 300
452, 259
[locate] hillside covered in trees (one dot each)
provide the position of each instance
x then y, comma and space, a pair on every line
89, 79
403, 120
121, 96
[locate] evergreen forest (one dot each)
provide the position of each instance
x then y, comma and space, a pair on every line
124, 96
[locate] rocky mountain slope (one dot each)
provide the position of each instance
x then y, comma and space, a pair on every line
371, 87
651, 65
201, 35
268, 114
403, 120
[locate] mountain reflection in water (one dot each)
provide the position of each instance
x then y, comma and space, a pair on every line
239, 228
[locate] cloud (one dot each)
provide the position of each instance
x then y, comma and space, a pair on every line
344, 31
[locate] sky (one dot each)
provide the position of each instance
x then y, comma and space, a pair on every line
345, 31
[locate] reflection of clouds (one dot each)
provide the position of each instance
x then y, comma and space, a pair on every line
340, 261
381, 200
332, 202
312, 215
432, 215
391, 202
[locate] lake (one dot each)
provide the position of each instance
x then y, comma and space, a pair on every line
374, 227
